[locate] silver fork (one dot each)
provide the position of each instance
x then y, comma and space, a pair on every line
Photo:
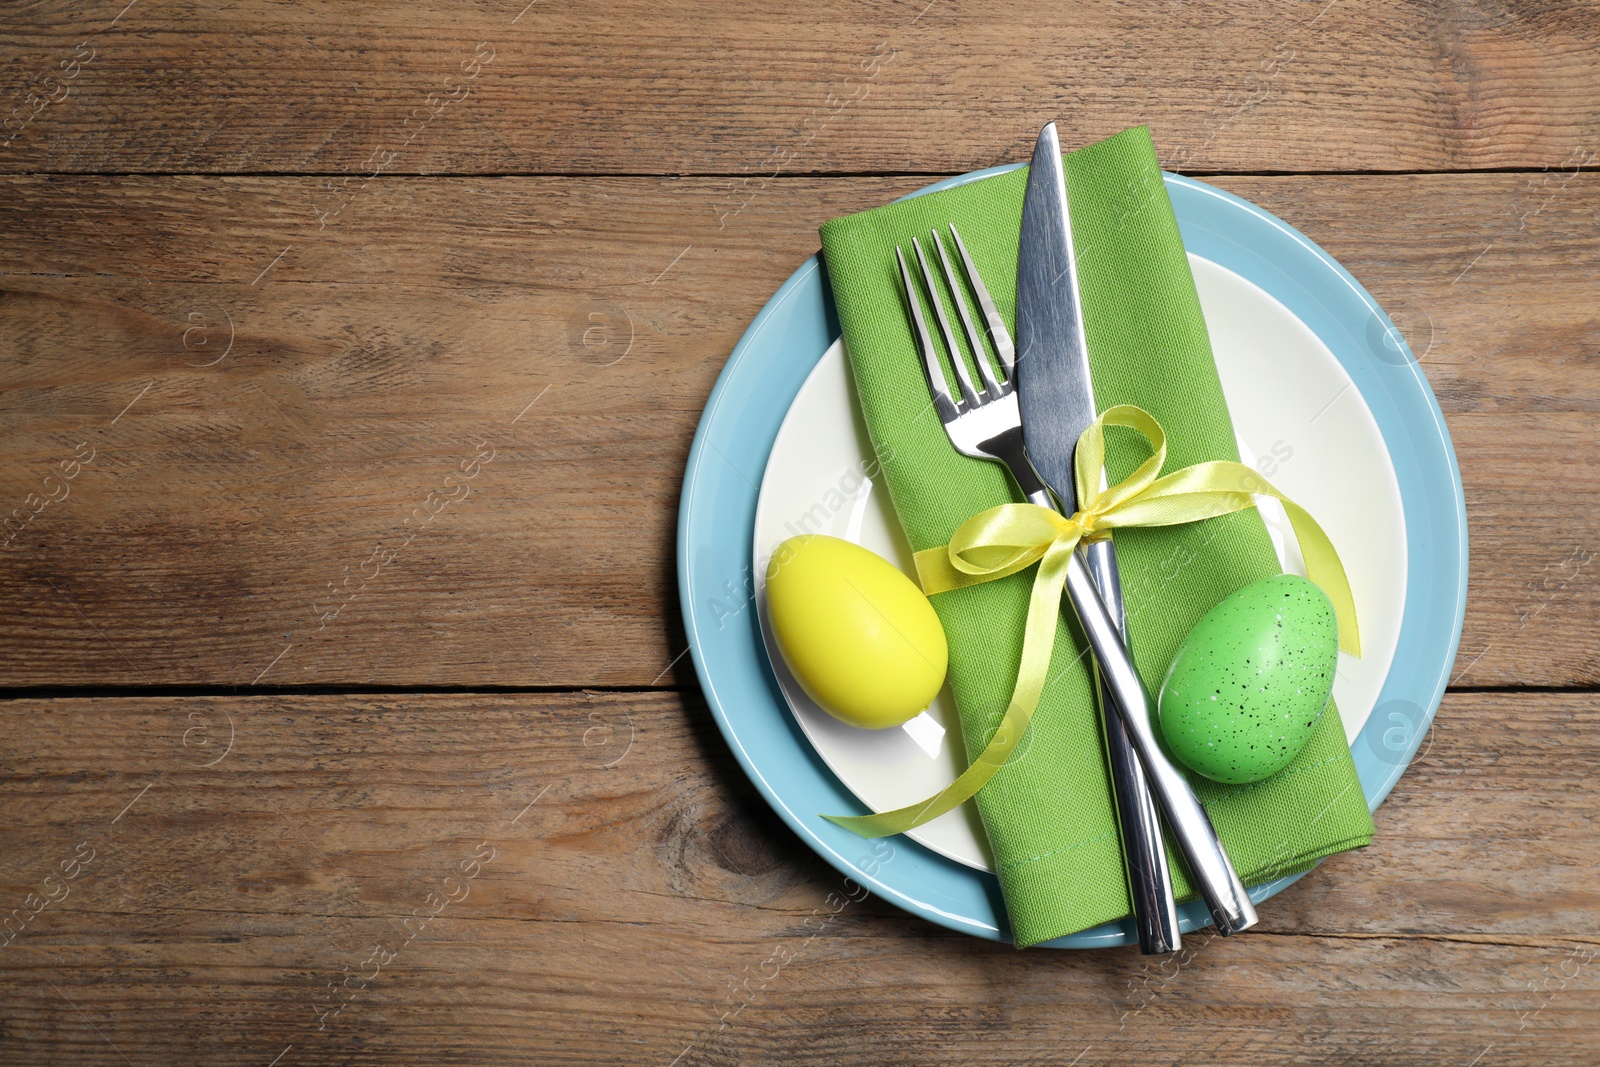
987, 424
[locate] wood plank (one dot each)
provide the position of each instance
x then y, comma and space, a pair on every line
640, 903
751, 91
238, 497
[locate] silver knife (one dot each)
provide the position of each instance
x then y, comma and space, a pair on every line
1056, 395
1056, 392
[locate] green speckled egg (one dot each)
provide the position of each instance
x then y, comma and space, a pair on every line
1250, 680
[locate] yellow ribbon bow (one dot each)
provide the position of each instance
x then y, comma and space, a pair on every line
1004, 540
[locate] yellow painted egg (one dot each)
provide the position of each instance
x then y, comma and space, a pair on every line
859, 636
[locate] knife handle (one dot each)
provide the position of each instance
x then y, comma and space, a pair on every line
1202, 849
1144, 850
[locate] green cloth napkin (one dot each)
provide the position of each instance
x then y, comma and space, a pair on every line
1048, 814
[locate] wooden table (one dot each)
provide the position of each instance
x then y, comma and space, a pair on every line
352, 354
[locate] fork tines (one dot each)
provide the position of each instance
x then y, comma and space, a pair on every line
993, 388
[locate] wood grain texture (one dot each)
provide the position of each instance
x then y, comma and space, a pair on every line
239, 496
281, 408
640, 904
690, 86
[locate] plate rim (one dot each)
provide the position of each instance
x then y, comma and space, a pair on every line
1378, 774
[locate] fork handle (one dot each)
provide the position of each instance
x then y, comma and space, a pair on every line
1144, 850
1202, 849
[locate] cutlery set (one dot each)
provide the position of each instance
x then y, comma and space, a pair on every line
1036, 398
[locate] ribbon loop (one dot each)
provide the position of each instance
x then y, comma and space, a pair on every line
1004, 540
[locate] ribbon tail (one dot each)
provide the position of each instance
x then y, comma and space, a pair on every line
958, 792
1323, 567
1221, 487
1038, 639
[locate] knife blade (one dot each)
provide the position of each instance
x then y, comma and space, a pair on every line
1054, 386
1055, 391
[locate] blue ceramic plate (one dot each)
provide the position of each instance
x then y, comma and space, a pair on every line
717, 513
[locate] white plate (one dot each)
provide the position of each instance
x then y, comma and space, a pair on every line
1299, 419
